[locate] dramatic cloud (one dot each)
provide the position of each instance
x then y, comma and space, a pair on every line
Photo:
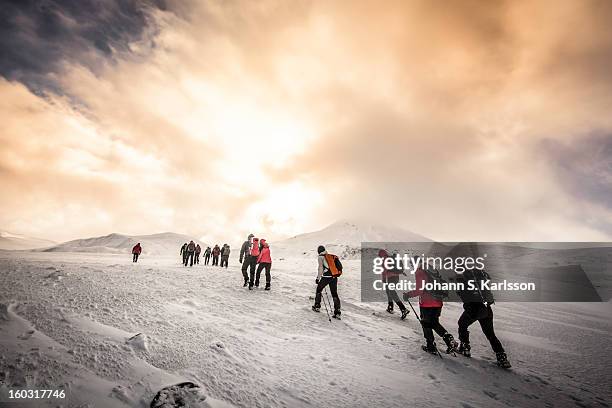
472, 121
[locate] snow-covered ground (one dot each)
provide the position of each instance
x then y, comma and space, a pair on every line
71, 320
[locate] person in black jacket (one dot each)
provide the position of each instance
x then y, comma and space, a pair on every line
477, 307
183, 253
207, 255
246, 259
191, 247
225, 253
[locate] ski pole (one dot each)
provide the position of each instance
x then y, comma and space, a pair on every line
414, 311
328, 301
326, 310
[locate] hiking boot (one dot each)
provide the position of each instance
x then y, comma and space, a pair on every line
250, 287
245, 283
390, 309
502, 360
316, 309
465, 349
430, 348
267, 287
405, 313
451, 343
337, 315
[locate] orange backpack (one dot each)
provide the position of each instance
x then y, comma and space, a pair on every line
255, 247
335, 266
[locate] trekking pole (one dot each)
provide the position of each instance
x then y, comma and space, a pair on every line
421, 323
326, 310
328, 301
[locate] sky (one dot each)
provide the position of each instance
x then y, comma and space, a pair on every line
478, 120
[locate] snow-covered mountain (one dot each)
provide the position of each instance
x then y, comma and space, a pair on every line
166, 243
345, 238
10, 241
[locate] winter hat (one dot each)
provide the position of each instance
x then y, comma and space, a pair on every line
320, 249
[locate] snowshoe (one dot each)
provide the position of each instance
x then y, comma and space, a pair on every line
451, 343
430, 348
465, 349
405, 313
316, 309
502, 360
390, 309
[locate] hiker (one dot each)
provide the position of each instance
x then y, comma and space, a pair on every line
327, 274
136, 251
198, 250
225, 253
184, 253
265, 263
430, 305
215, 255
246, 259
477, 307
391, 276
207, 255
190, 253
254, 252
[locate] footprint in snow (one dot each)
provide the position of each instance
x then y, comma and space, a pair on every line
26, 335
490, 394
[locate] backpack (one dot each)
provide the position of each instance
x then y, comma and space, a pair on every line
476, 295
255, 247
335, 266
434, 275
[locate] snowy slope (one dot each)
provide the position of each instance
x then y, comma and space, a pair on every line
167, 243
345, 238
68, 318
10, 241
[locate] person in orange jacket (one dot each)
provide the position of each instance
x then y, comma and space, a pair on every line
265, 263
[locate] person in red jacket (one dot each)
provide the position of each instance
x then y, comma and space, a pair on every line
431, 308
136, 251
391, 276
265, 262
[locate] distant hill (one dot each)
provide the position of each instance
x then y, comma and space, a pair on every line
345, 238
10, 241
166, 243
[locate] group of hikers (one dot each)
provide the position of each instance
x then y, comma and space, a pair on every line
476, 308
191, 254
476, 304
255, 257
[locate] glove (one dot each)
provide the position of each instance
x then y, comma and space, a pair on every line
317, 281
